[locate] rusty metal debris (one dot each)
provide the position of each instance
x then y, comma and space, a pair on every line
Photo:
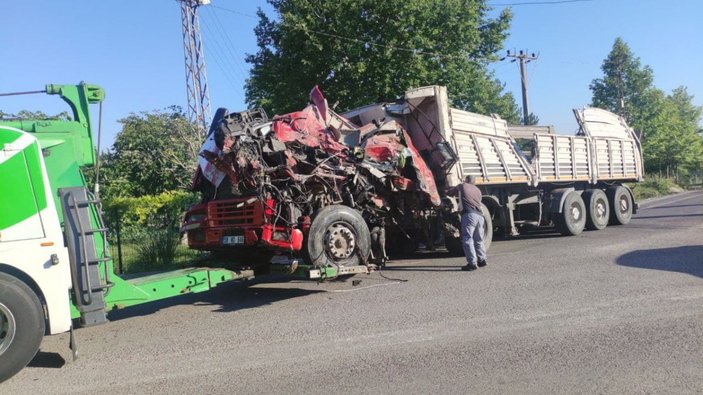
284, 170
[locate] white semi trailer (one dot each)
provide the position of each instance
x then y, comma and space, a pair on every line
571, 182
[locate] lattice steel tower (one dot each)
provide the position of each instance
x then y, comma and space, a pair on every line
196, 77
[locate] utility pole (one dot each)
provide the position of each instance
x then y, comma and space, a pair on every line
196, 77
524, 58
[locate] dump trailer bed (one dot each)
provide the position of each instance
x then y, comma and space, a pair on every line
542, 179
605, 148
485, 149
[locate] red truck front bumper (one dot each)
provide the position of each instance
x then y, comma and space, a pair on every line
238, 223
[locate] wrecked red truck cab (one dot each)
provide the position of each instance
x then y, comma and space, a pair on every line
299, 185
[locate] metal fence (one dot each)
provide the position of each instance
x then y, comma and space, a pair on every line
145, 248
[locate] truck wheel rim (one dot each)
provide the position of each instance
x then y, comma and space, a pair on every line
340, 241
600, 209
623, 205
7, 328
575, 212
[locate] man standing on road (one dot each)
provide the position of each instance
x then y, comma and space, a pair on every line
472, 223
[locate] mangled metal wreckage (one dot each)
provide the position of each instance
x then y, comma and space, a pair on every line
315, 185
351, 189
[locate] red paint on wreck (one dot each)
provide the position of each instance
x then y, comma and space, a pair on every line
308, 128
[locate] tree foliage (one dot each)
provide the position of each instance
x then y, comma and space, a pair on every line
685, 109
532, 119
668, 124
671, 143
366, 51
28, 114
625, 83
154, 152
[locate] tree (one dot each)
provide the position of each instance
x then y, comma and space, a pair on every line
28, 114
532, 119
685, 108
668, 124
685, 119
366, 51
691, 115
670, 143
626, 86
154, 152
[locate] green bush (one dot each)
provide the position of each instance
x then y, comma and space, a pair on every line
158, 247
162, 210
653, 186
148, 227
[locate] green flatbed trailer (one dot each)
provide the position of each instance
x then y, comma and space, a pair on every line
54, 257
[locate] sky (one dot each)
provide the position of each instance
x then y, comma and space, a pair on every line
134, 50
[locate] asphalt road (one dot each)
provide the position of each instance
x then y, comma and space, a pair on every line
612, 311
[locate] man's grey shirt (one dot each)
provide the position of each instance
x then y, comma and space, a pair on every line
470, 197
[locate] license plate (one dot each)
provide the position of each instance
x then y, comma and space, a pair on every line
233, 240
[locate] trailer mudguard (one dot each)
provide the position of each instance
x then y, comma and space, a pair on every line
555, 199
635, 205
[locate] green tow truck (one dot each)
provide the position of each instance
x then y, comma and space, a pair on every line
55, 268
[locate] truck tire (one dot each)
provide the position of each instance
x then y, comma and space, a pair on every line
338, 236
620, 205
21, 325
597, 209
487, 226
572, 218
454, 245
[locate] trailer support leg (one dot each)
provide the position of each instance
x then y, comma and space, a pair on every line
72, 344
511, 219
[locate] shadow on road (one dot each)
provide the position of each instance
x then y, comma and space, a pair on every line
667, 216
673, 206
424, 268
421, 254
532, 234
47, 360
228, 297
685, 259
250, 297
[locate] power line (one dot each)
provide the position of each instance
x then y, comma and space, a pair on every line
414, 51
218, 55
234, 11
493, 4
539, 2
220, 26
228, 77
222, 50
222, 65
500, 68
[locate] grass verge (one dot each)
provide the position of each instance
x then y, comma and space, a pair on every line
654, 186
135, 261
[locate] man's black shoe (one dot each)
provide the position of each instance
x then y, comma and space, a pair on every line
469, 268
482, 263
